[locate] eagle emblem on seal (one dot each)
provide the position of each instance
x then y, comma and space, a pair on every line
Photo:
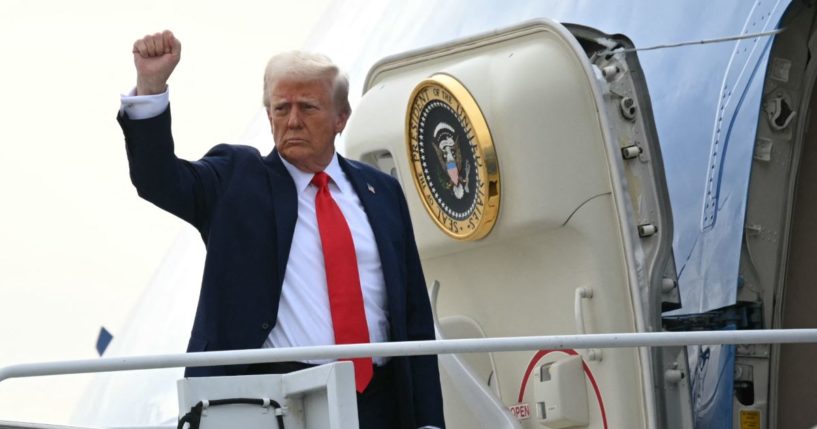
449, 155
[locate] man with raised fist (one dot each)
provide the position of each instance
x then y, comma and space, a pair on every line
304, 247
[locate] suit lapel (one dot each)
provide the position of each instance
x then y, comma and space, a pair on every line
285, 206
368, 197
373, 205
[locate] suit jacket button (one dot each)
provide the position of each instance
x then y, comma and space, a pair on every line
265, 326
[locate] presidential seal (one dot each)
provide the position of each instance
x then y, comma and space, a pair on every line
452, 157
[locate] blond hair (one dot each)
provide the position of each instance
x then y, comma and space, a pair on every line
302, 65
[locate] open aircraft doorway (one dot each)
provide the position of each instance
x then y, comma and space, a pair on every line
535, 185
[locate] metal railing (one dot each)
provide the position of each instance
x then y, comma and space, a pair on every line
23, 425
407, 348
411, 348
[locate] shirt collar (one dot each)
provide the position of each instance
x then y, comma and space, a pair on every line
302, 179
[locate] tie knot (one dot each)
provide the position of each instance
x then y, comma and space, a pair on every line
320, 179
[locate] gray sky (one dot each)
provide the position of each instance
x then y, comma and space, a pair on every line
77, 246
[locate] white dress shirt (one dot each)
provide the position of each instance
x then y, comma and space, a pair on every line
304, 317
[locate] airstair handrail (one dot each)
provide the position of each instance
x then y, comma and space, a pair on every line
410, 348
6, 424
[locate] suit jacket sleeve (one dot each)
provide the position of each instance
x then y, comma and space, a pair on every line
425, 372
187, 189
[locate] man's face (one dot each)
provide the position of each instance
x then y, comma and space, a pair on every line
305, 120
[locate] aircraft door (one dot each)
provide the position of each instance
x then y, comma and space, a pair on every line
532, 171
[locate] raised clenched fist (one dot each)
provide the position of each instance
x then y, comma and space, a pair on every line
155, 57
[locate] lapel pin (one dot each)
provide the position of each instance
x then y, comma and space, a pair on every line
371, 188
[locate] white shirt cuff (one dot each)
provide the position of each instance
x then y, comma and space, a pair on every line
428, 427
144, 106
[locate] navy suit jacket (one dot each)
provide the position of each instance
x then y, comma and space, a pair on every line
245, 206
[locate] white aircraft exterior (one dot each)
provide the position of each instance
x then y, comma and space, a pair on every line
626, 181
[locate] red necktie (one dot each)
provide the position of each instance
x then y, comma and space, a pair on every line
342, 278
